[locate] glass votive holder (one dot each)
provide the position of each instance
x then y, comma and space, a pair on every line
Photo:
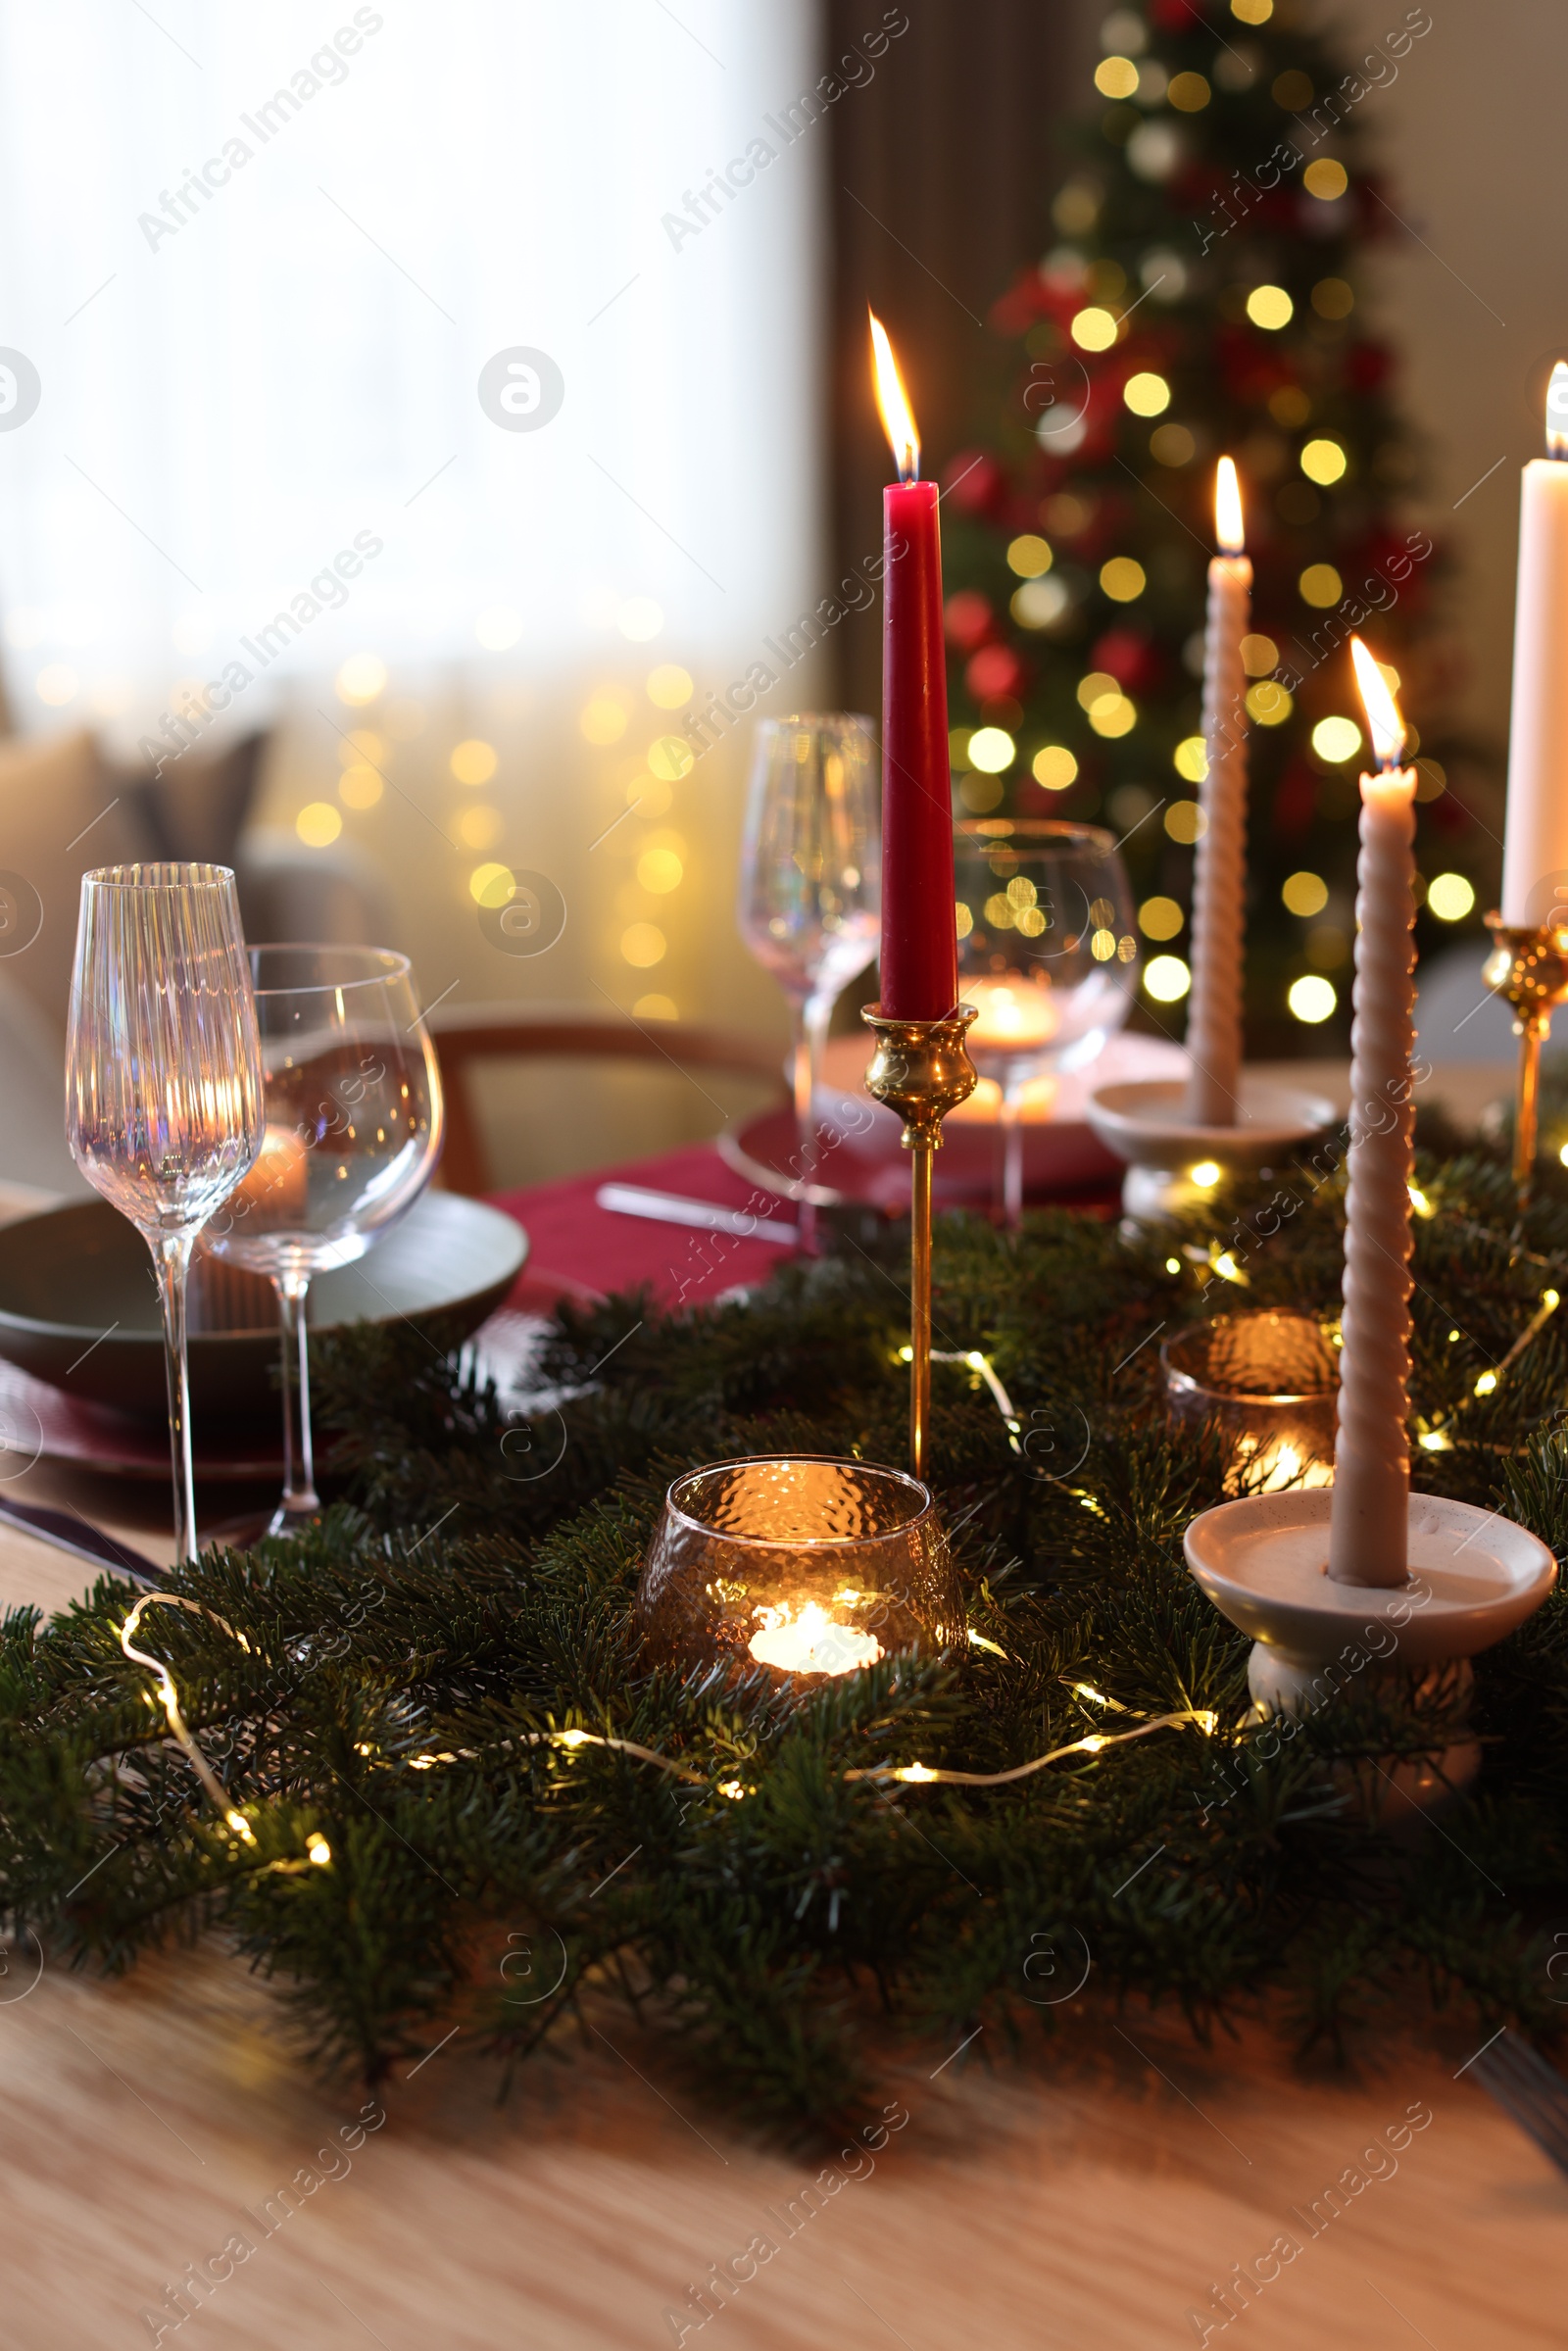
803, 1564
1270, 1379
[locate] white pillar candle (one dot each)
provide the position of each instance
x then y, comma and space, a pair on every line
1535, 855
1219, 877
1368, 1530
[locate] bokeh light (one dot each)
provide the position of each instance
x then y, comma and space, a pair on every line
1122, 579
1451, 897
642, 946
473, 760
1166, 979
991, 749
1311, 999
1323, 461
1336, 739
670, 758
1094, 329
1146, 394
362, 677
604, 718
660, 870
669, 686
1029, 555
1270, 307
318, 823
1305, 893
359, 786
480, 827
1054, 766
1320, 585
1325, 180
1159, 918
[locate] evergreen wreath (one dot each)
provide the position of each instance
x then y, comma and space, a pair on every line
410, 1838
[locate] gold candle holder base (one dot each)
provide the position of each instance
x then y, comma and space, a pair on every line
922, 1070
1529, 966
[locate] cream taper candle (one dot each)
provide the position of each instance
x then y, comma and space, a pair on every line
1535, 853
1219, 877
1369, 1522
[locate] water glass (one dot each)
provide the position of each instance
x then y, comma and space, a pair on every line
164, 1082
1048, 955
811, 888
353, 1132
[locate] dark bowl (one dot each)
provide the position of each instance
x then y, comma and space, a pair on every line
78, 1307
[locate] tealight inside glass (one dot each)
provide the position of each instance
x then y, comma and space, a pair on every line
801, 1563
1271, 1380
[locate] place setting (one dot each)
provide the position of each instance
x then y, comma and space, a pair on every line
254, 1121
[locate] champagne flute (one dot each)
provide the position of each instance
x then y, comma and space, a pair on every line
354, 1125
1046, 954
811, 889
164, 1082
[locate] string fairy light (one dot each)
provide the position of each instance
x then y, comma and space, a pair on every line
171, 1698
1434, 1438
909, 1775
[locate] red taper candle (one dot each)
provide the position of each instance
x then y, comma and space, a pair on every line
919, 933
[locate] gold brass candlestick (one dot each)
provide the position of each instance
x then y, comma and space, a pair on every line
922, 1070
1529, 967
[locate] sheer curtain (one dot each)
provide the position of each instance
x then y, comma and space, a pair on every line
255, 266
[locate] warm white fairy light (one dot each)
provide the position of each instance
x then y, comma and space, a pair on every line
171, 1698
909, 1775
1435, 1437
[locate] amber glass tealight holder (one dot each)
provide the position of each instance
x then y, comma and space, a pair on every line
801, 1563
1271, 1380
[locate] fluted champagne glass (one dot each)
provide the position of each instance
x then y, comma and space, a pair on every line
163, 1110
810, 887
354, 1125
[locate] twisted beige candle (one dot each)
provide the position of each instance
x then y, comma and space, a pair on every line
1367, 1532
1219, 880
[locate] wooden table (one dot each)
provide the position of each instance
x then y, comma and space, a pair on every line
1085, 2197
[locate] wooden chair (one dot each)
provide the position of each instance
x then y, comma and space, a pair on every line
503, 1033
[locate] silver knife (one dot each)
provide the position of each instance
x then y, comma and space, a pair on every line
69, 1533
669, 1207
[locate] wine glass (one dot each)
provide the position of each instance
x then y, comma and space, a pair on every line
811, 889
1046, 954
354, 1122
164, 1082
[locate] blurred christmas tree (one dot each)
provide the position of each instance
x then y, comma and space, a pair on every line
1203, 297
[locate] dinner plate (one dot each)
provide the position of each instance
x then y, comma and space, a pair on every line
78, 1309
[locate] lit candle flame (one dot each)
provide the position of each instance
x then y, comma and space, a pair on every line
810, 1643
1382, 711
893, 404
1229, 528
1557, 411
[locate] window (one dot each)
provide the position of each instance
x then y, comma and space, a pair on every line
472, 335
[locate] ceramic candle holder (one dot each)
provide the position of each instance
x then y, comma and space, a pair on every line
1473, 1578
1269, 1379
801, 1565
1145, 1126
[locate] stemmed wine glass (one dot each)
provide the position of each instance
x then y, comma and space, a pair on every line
1046, 954
811, 888
353, 1123
164, 1082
